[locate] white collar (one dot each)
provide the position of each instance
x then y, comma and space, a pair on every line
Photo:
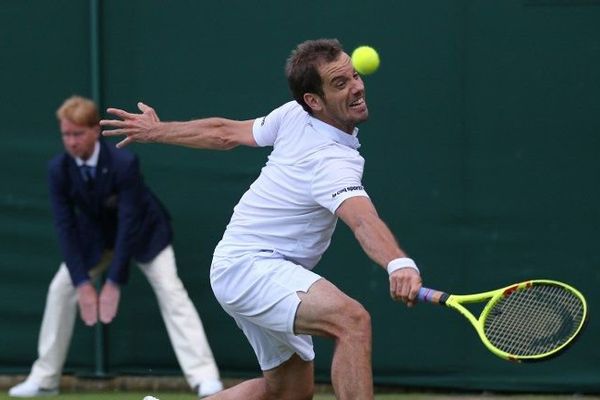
339, 136
93, 160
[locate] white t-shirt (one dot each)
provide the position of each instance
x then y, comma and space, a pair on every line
290, 208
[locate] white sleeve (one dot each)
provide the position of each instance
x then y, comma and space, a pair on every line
265, 129
337, 180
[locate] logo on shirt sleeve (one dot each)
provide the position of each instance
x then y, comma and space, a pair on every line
347, 189
262, 123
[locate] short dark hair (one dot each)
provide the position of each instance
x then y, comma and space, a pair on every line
301, 69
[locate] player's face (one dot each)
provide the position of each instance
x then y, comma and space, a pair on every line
343, 104
79, 140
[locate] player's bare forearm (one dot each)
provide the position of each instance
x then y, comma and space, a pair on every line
377, 241
380, 245
208, 133
372, 233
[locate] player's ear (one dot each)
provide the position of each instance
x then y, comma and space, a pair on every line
313, 101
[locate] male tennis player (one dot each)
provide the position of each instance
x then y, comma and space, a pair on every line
262, 268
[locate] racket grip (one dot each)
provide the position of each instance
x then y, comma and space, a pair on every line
427, 295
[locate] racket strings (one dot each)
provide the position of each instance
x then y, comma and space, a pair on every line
534, 320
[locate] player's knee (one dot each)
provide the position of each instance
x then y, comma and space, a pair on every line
292, 393
303, 393
293, 380
304, 396
306, 392
356, 322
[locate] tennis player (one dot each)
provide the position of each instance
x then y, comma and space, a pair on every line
262, 271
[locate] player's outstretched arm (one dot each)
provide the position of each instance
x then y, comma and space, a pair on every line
208, 133
381, 246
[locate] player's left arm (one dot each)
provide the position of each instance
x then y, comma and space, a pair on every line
381, 246
207, 133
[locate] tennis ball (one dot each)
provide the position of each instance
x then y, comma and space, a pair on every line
365, 60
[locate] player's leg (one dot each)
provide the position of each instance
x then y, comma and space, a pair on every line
54, 338
327, 311
269, 312
261, 293
183, 323
292, 380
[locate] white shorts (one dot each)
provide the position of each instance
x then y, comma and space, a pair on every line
260, 292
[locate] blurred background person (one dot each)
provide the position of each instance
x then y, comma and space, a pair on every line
105, 216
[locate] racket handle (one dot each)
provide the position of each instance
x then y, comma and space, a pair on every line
427, 295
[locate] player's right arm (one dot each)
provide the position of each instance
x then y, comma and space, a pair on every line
381, 246
207, 133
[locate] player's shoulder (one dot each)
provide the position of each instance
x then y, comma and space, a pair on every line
279, 122
291, 109
292, 106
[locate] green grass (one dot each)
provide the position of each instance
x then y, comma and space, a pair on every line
191, 396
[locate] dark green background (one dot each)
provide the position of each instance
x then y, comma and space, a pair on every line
481, 155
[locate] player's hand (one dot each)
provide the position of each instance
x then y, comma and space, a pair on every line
404, 285
136, 127
88, 303
109, 301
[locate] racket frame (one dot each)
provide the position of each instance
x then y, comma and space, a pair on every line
457, 302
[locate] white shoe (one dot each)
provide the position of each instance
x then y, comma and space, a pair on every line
210, 387
29, 388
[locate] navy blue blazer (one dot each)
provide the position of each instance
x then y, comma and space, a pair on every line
118, 213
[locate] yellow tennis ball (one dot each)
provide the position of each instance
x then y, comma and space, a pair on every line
365, 60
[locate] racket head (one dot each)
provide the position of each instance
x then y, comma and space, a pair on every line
532, 320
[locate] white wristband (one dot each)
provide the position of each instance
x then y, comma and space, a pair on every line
398, 263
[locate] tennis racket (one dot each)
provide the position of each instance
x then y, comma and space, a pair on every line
524, 322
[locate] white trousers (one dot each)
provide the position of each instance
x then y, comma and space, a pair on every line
178, 312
